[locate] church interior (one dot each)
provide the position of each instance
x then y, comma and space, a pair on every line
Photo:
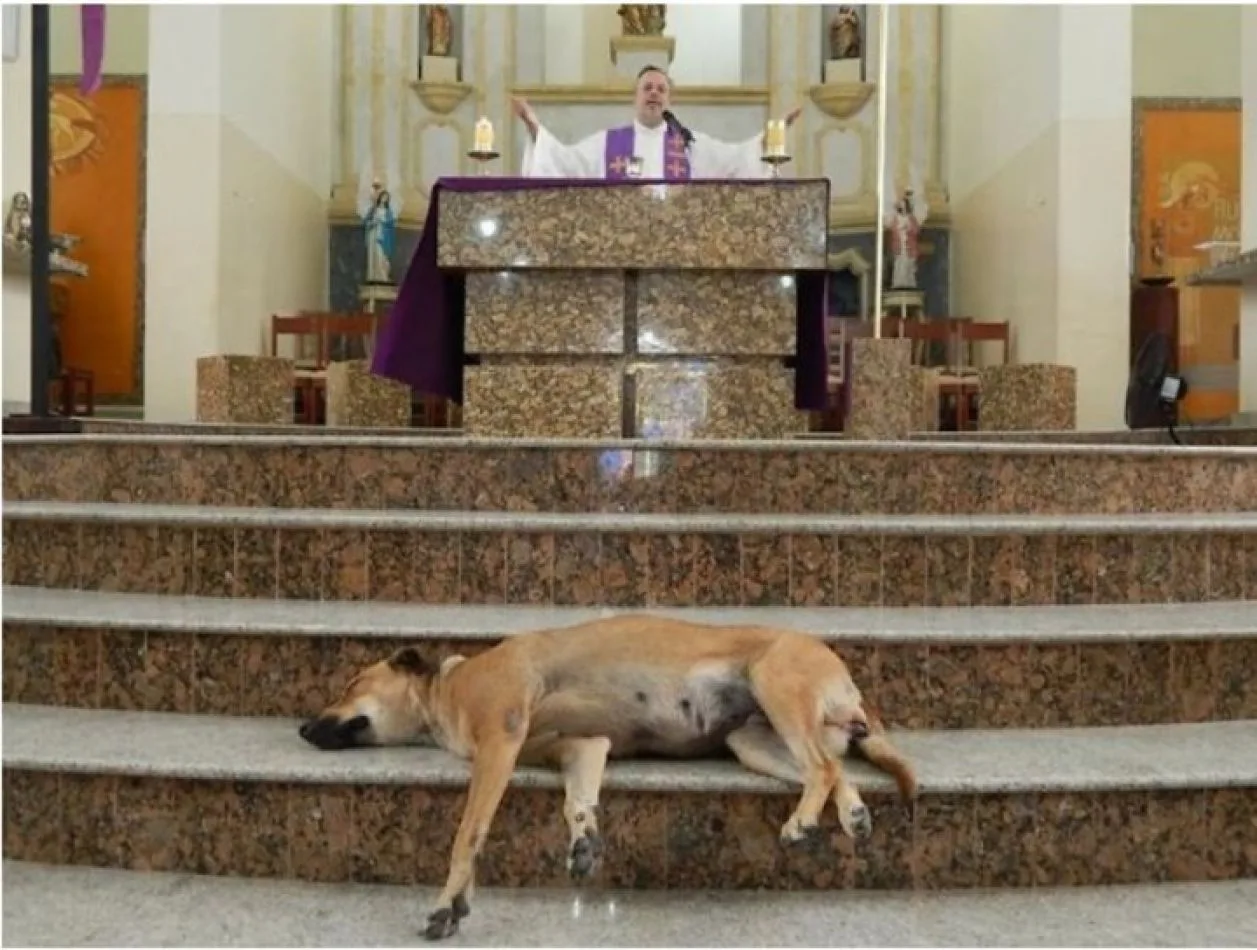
1064, 204
303, 377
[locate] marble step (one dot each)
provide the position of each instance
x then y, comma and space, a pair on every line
61, 906
1010, 808
632, 560
923, 668
798, 476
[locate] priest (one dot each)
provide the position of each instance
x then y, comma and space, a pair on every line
655, 146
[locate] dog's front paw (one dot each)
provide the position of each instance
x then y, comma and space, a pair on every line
441, 924
585, 855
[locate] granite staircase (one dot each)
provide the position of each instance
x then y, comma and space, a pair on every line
1064, 638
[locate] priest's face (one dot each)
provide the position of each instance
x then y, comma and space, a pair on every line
652, 98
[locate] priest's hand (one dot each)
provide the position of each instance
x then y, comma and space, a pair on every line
792, 115
522, 109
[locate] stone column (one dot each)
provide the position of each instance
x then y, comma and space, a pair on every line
885, 389
379, 55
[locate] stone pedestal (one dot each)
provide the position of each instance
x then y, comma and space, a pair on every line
357, 399
1028, 397
839, 71
631, 54
251, 390
673, 318
438, 69
886, 389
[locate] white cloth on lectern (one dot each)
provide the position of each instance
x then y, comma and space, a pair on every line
547, 157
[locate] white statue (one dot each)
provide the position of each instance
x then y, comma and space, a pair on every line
904, 220
380, 225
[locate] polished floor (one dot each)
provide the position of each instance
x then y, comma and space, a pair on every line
78, 907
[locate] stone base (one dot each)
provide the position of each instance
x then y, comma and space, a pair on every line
842, 71
439, 69
1028, 396
631, 54
255, 390
356, 398
715, 400
885, 389
519, 400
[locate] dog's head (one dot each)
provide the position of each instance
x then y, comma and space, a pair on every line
384, 704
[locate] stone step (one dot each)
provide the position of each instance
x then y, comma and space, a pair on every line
799, 476
628, 560
923, 668
57, 906
1009, 808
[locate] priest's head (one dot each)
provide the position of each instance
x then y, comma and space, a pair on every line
654, 96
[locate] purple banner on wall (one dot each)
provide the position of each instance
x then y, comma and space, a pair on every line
92, 19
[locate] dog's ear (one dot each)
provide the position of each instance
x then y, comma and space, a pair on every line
408, 660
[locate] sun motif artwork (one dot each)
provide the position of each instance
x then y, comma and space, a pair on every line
75, 132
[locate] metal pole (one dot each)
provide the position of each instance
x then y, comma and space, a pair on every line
41, 242
879, 237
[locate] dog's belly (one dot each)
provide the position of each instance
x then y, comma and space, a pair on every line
648, 712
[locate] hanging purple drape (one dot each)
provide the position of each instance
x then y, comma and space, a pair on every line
92, 21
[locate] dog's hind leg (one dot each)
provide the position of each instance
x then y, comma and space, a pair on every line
878, 750
582, 760
491, 770
795, 711
758, 747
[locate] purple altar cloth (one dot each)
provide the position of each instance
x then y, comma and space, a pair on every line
421, 342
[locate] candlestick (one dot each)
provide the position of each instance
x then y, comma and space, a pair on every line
775, 145
482, 150
484, 136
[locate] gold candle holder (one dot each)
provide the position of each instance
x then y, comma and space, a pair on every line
775, 145
482, 150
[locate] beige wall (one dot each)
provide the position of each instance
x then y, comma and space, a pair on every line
240, 133
126, 39
1037, 157
1189, 50
17, 177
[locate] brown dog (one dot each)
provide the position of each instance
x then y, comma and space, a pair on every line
781, 701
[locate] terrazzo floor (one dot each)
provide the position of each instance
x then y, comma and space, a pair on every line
68, 907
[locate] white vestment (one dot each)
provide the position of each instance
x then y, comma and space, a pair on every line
547, 157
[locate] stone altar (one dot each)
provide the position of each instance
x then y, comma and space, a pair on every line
652, 311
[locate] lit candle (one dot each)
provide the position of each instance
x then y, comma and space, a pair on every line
484, 135
775, 137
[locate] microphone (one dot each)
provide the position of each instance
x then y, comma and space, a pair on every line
674, 124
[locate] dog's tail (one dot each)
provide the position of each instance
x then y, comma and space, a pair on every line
878, 750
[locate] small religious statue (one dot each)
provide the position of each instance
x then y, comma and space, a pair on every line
17, 223
844, 34
380, 225
642, 19
440, 32
904, 224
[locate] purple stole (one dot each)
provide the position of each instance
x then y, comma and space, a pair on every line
619, 154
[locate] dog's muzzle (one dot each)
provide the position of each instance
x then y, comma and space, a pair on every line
857, 730
331, 735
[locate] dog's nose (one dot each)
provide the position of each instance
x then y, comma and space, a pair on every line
858, 730
304, 731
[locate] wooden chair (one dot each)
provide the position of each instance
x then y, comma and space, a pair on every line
310, 372
971, 331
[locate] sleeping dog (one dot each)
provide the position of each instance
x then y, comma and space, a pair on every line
781, 701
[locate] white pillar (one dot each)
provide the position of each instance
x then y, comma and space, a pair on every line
1093, 216
182, 248
1248, 212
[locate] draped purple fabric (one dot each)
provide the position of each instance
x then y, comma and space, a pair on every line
421, 341
92, 23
